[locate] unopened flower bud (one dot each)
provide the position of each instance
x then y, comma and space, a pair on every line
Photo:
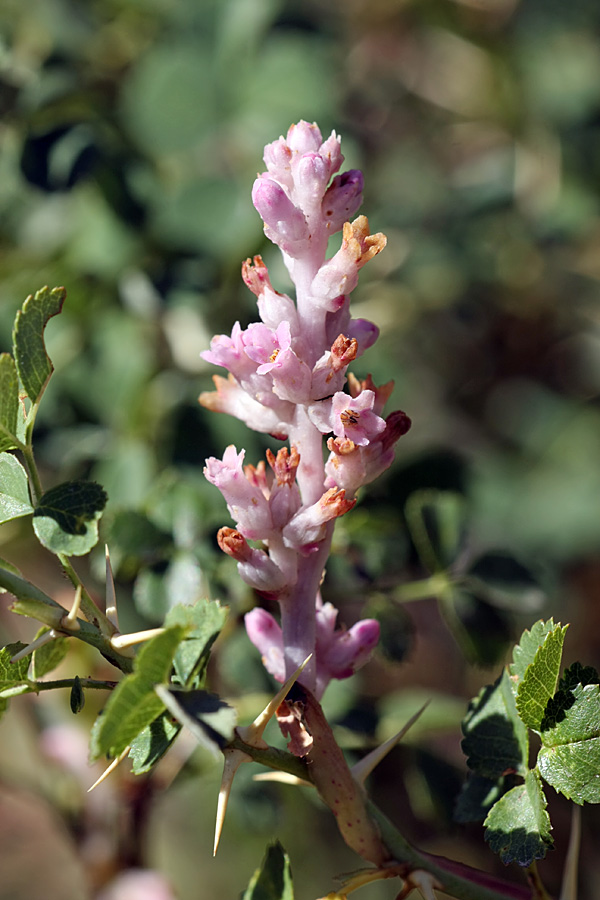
342, 199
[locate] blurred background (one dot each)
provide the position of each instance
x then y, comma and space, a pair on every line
130, 135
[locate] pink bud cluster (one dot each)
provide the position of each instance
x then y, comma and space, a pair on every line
287, 376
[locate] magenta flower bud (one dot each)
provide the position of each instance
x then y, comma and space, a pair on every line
265, 634
341, 653
285, 224
304, 137
342, 199
245, 501
365, 333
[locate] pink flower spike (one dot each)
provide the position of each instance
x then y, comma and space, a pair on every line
245, 501
265, 634
353, 417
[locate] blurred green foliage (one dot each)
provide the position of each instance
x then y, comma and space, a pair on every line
131, 131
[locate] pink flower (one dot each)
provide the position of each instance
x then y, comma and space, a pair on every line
342, 199
265, 634
231, 398
341, 653
245, 501
255, 567
307, 527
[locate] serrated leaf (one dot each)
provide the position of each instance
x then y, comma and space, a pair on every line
66, 517
540, 678
33, 363
48, 656
152, 743
496, 741
9, 402
203, 622
570, 756
573, 769
478, 795
14, 489
437, 523
518, 826
12, 674
133, 704
273, 881
524, 652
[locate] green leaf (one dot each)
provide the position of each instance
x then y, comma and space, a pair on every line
203, 622
570, 756
518, 826
33, 363
9, 402
66, 517
133, 704
573, 769
436, 520
525, 651
48, 656
13, 674
273, 881
151, 744
496, 741
14, 491
540, 678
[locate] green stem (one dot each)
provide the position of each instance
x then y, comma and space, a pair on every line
35, 484
32, 602
539, 892
420, 590
90, 610
93, 684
